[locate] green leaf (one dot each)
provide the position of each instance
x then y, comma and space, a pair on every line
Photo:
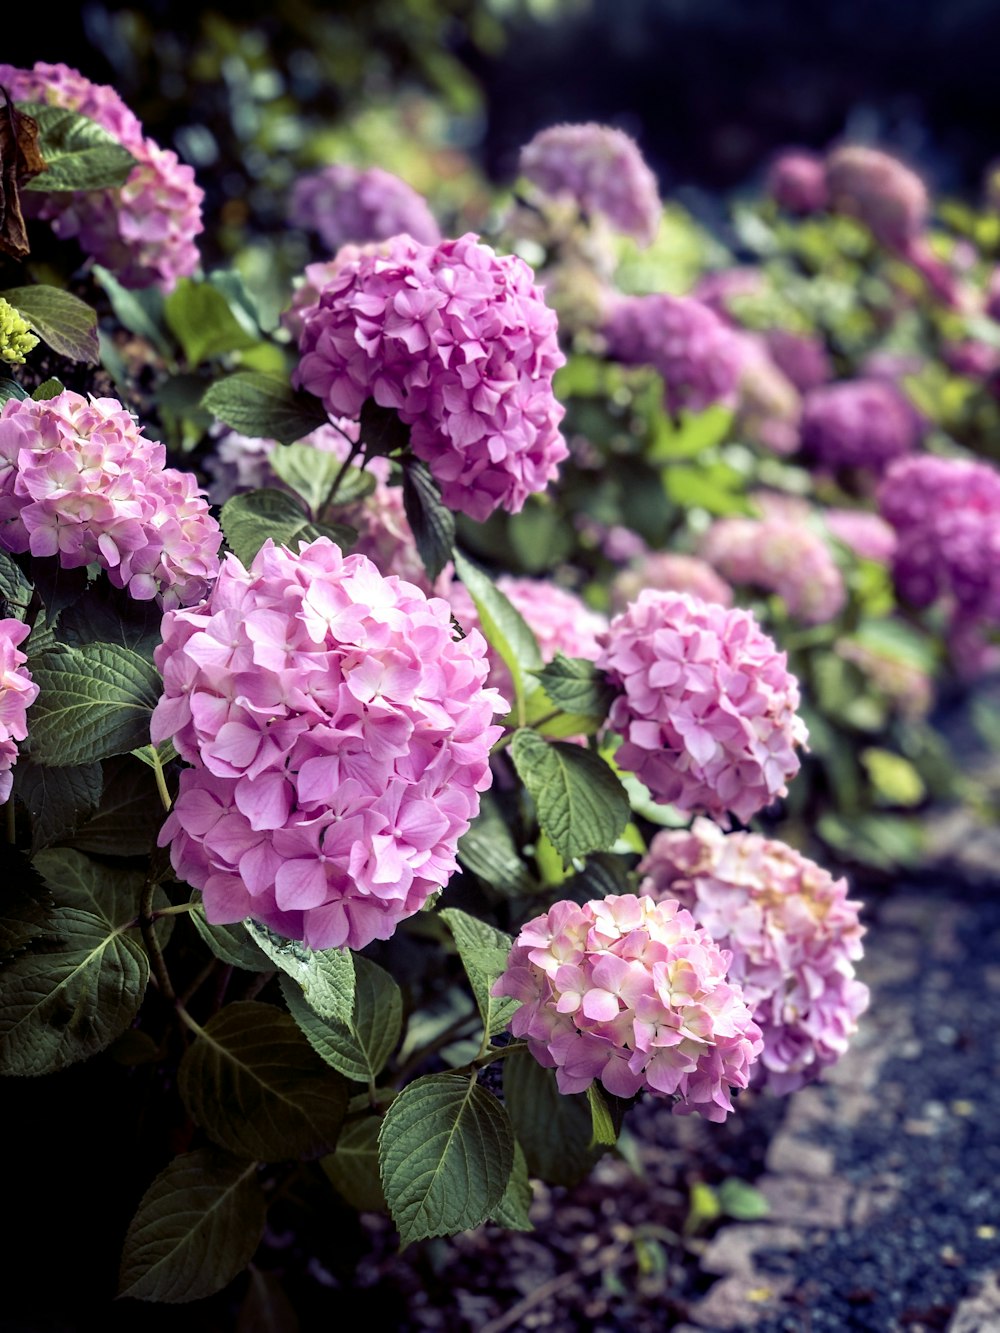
57, 799
94, 702
885, 841
895, 780
197, 1226
199, 317
308, 471
353, 1167
604, 873
66, 323
254, 1084
382, 432
581, 805
15, 588
79, 154
488, 849
703, 1207
105, 614
249, 520
360, 1048
141, 312
446, 1152
553, 1130
432, 521
715, 488
739, 1200
512, 1210
484, 952
58, 588
575, 685
78, 987
230, 943
11, 389
129, 815
603, 1133
504, 628
50, 388
264, 407
326, 976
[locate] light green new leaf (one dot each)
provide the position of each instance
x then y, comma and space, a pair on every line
199, 317
94, 701
581, 805
249, 520
254, 1084
603, 1133
79, 154
264, 406
484, 951
446, 1151
326, 976
310, 473
197, 1226
360, 1047
504, 628
353, 1167
66, 323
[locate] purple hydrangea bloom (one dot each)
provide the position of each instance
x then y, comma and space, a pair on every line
79, 481
143, 232
339, 737
460, 342
705, 706
868, 535
802, 358
632, 993
17, 694
796, 181
863, 423
793, 934
602, 170
344, 203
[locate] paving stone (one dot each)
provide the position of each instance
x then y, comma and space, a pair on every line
806, 1203
789, 1155
979, 1312
739, 1301
733, 1249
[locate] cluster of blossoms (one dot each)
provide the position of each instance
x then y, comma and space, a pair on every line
706, 706
699, 356
770, 407
460, 342
143, 232
632, 992
79, 481
670, 572
905, 686
601, 170
946, 513
339, 738
791, 930
16, 338
867, 535
801, 357
344, 203
880, 191
796, 181
863, 423
17, 694
781, 556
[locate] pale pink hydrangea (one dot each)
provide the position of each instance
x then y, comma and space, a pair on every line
602, 170
779, 556
634, 994
793, 934
305, 298
769, 411
867, 535
706, 705
345, 203
17, 693
559, 620
863, 423
339, 737
78, 480
143, 232
796, 181
880, 191
670, 572
459, 341
699, 356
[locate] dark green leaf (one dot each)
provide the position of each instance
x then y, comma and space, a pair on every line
488, 849
249, 520
353, 1167
264, 407
512, 1210
504, 628
105, 614
79, 154
576, 686
581, 805
484, 951
266, 1308
129, 815
231, 943
15, 588
11, 389
254, 1084
141, 312
326, 976
94, 702
57, 799
604, 873
25, 904
57, 587
553, 1130
66, 323
198, 1225
382, 432
50, 388
359, 1048
446, 1152
199, 317
432, 522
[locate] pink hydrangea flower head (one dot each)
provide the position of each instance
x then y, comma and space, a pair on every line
723, 288
867, 535
459, 341
699, 356
670, 572
143, 232
17, 693
880, 191
602, 170
706, 706
339, 739
770, 407
799, 356
796, 181
946, 513
78, 480
886, 364
859, 424
634, 994
793, 934
972, 358
781, 556
344, 203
